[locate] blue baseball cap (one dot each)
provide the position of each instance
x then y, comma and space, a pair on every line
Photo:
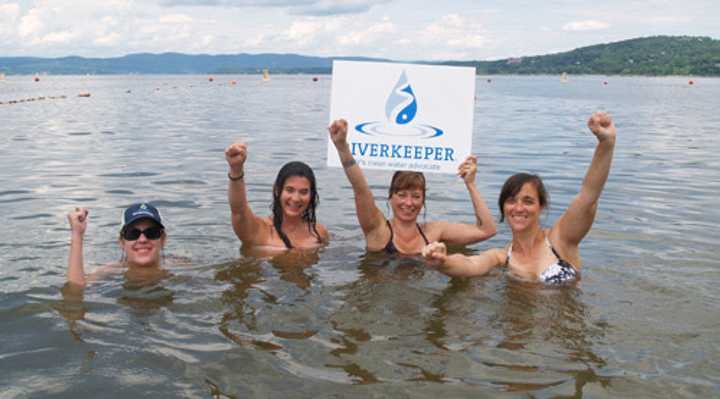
141, 210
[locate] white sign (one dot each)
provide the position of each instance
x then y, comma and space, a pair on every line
404, 116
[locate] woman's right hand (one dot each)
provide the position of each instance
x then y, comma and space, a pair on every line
78, 221
602, 126
338, 132
235, 155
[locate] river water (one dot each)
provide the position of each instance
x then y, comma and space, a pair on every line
643, 322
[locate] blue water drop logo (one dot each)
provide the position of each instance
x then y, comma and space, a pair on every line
401, 106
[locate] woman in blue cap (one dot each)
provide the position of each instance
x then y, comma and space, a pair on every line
142, 238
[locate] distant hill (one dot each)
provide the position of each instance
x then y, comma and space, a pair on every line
656, 56
172, 63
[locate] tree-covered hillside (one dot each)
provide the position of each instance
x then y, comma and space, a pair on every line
656, 56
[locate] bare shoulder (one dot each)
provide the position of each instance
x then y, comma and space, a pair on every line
100, 272
264, 233
323, 231
498, 254
377, 238
434, 229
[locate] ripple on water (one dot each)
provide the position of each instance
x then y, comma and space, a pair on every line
130, 174
262, 327
186, 182
120, 192
13, 192
18, 199
176, 204
33, 216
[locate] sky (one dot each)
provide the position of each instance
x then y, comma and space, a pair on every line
401, 30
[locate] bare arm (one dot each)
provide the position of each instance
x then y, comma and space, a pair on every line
248, 227
575, 223
370, 217
484, 227
459, 265
78, 224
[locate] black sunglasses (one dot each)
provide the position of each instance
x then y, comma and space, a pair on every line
151, 233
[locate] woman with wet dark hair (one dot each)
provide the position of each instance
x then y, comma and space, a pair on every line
402, 234
550, 256
295, 198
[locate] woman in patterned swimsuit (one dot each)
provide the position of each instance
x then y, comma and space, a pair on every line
402, 234
551, 255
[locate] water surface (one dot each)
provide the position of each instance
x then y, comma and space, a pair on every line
643, 322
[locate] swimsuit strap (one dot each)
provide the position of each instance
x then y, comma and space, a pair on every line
509, 254
422, 234
390, 246
392, 235
560, 261
547, 242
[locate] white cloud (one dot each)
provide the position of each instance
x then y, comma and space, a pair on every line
367, 36
9, 11
175, 19
108, 39
53, 38
308, 31
9, 14
30, 24
303, 31
669, 20
295, 7
586, 25
336, 7
457, 32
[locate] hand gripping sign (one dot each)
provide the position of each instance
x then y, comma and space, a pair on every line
404, 116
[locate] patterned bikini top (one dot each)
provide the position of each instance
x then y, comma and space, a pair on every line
558, 272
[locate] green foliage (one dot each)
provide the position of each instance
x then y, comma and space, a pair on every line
655, 56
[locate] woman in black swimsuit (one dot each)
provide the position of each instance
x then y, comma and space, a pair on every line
402, 233
551, 255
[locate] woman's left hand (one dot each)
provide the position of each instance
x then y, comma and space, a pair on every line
601, 124
435, 253
468, 169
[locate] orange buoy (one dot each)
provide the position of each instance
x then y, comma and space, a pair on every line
210, 79
232, 82
84, 94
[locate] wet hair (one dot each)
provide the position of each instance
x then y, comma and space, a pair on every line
407, 180
514, 184
288, 170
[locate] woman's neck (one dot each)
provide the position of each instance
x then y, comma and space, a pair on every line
403, 224
527, 240
292, 224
